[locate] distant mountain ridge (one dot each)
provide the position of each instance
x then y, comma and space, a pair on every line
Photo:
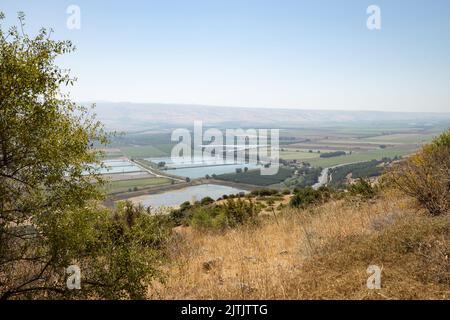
136, 116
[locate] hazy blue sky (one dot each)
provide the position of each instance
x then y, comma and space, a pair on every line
257, 53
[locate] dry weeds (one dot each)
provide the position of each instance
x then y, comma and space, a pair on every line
317, 253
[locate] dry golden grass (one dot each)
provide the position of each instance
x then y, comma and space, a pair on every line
318, 253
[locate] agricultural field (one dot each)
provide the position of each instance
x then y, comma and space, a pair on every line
402, 138
360, 144
126, 185
143, 144
144, 151
293, 154
359, 157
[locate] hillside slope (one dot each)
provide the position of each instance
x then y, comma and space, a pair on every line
320, 252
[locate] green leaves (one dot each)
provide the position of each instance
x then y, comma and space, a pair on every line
50, 216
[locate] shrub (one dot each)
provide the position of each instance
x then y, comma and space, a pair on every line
180, 215
228, 215
264, 192
362, 188
307, 196
185, 205
206, 201
208, 218
425, 176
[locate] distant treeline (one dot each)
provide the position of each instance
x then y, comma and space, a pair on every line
332, 154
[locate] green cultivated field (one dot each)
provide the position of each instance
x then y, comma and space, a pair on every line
402, 138
124, 185
357, 157
146, 151
291, 154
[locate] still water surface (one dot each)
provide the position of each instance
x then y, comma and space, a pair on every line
193, 193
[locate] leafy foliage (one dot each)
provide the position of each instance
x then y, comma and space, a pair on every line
306, 177
263, 192
332, 154
50, 216
308, 196
232, 213
358, 170
362, 188
425, 176
256, 178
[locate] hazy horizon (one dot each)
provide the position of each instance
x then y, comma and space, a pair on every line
295, 54
299, 108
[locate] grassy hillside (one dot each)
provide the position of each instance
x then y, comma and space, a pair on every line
321, 252
325, 244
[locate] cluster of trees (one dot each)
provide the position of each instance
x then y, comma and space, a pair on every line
332, 154
256, 178
307, 176
264, 192
358, 170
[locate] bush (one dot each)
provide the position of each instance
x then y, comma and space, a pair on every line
362, 188
180, 215
264, 192
307, 196
229, 215
208, 218
185, 205
206, 201
425, 176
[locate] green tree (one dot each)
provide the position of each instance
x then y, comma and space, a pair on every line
50, 215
